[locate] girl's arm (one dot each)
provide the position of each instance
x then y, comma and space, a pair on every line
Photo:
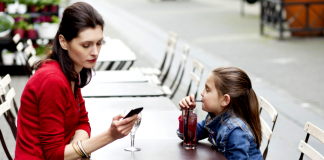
202, 132
237, 145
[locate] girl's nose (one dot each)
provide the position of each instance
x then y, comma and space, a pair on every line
202, 94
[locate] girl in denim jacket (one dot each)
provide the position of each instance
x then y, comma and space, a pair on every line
232, 124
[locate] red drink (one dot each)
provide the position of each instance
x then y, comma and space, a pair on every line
189, 129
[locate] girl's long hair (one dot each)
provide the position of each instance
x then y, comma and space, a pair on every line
243, 100
76, 18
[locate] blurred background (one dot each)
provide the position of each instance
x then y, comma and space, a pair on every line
280, 48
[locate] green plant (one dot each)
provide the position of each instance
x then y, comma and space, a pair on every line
9, 1
56, 19
5, 24
56, 2
30, 27
40, 51
8, 52
44, 2
21, 25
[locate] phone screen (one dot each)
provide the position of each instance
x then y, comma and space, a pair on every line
134, 111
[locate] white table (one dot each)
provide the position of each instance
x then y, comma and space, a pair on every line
121, 90
156, 136
114, 50
118, 77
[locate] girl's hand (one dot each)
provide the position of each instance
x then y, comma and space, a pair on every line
188, 102
120, 128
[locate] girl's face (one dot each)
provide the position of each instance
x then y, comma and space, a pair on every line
211, 100
85, 48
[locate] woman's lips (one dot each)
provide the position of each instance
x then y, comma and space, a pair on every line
92, 60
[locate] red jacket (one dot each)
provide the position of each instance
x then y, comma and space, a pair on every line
49, 115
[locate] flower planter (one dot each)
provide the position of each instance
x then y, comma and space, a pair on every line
11, 8
45, 9
8, 58
300, 21
20, 31
22, 9
32, 34
47, 30
2, 6
33, 8
54, 8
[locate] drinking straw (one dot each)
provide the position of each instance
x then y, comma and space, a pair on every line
187, 125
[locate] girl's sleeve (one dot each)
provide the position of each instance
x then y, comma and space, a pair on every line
237, 145
83, 117
202, 132
52, 100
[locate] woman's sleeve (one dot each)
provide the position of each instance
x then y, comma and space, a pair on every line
52, 100
237, 145
83, 117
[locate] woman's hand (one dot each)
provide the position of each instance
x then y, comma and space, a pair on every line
120, 128
188, 102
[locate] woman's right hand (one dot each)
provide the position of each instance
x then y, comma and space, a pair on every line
120, 128
188, 102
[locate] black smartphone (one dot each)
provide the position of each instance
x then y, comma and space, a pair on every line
134, 111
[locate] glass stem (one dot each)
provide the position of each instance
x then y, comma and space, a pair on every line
132, 139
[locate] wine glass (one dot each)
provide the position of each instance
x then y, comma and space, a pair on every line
132, 133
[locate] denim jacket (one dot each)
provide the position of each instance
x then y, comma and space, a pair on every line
229, 135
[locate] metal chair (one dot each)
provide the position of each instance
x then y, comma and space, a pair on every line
194, 78
6, 100
4, 109
264, 104
306, 149
5, 82
182, 66
171, 45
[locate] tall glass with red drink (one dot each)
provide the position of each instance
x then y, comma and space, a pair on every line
189, 118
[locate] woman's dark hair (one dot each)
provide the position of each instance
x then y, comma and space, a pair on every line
243, 100
76, 18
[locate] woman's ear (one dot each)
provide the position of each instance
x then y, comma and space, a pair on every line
226, 100
63, 42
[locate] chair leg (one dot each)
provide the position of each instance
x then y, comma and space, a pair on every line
4, 146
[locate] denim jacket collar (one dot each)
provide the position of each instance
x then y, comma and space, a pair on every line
215, 123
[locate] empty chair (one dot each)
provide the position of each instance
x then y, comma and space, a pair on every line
265, 105
4, 108
194, 77
306, 149
5, 82
170, 91
171, 45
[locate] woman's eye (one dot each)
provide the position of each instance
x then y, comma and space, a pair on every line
85, 46
99, 44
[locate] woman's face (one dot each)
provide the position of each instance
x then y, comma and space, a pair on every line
211, 100
84, 49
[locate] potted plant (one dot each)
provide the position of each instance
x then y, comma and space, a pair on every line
2, 5
314, 19
54, 6
43, 4
22, 7
31, 33
33, 5
48, 30
20, 28
11, 6
6, 23
7, 57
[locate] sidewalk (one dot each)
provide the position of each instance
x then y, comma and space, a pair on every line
219, 36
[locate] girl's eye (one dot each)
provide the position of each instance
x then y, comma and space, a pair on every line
207, 89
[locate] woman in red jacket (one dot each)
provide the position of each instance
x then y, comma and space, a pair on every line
52, 120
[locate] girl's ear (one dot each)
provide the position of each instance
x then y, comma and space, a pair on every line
226, 100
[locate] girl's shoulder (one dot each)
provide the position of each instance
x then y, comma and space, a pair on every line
234, 124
